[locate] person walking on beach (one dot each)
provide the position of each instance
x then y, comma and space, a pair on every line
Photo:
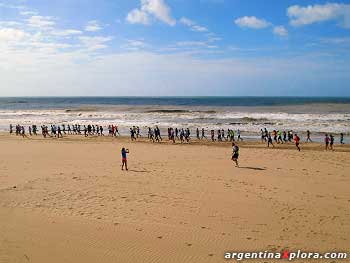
203, 134
239, 135
326, 141
297, 141
331, 142
341, 138
235, 153
124, 158
308, 138
262, 133
11, 129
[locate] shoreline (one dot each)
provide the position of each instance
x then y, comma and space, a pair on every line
254, 144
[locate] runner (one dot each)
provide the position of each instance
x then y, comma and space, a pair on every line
297, 141
269, 141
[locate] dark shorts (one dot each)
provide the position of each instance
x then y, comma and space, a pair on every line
235, 156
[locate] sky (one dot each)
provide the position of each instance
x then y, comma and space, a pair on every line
174, 48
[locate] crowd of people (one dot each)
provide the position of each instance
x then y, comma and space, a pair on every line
174, 134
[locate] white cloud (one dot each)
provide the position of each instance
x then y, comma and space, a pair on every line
187, 22
252, 22
137, 16
42, 22
280, 31
28, 13
93, 26
20, 7
300, 16
9, 23
11, 35
67, 32
191, 43
94, 43
192, 25
157, 8
199, 28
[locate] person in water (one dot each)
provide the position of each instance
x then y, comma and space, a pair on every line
235, 153
124, 158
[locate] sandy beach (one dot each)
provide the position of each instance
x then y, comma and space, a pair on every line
67, 200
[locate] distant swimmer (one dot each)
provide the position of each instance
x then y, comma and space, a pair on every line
308, 136
124, 158
235, 153
297, 141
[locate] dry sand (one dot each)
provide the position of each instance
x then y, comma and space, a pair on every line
67, 200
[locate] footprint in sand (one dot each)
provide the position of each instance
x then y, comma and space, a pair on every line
160, 237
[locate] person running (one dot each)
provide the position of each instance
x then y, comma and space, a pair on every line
59, 132
341, 138
124, 158
326, 141
279, 138
235, 153
284, 136
331, 142
308, 134
132, 134
297, 141
269, 141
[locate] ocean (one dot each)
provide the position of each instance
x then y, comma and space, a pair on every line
249, 114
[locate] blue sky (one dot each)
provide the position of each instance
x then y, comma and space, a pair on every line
174, 47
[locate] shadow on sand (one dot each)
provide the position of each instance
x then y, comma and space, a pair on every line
138, 171
252, 168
